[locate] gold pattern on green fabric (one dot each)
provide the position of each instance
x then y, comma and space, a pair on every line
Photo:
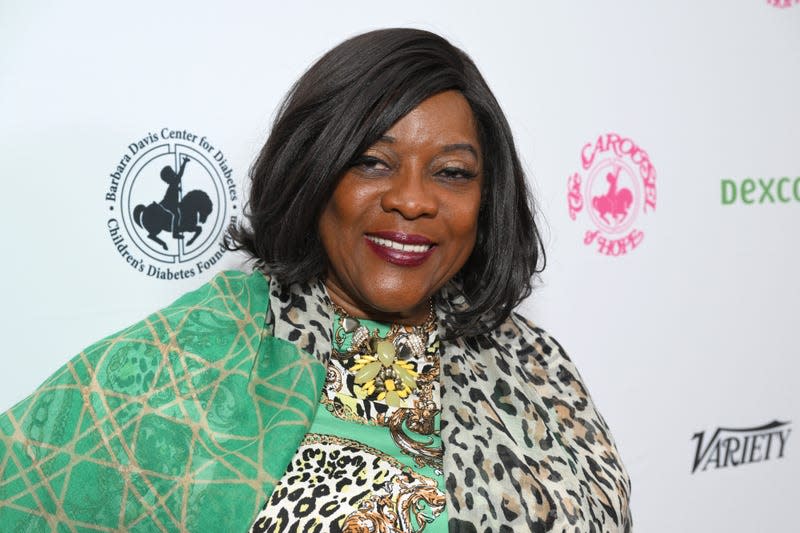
177, 423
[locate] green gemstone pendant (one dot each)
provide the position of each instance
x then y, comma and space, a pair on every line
385, 352
367, 372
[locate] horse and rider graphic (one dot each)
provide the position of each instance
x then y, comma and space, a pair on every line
614, 202
174, 213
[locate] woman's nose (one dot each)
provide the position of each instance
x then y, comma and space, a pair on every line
410, 193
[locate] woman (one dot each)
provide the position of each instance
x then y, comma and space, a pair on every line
370, 375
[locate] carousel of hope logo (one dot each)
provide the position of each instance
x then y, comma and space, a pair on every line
170, 198
615, 187
783, 3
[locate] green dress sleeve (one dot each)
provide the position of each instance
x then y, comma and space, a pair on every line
182, 422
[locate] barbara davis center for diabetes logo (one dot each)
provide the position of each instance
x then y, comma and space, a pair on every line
612, 193
170, 199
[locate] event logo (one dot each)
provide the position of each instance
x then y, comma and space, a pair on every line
615, 187
783, 3
170, 199
735, 447
761, 191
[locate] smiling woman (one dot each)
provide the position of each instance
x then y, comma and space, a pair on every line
371, 374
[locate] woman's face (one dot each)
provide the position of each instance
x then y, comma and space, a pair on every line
402, 220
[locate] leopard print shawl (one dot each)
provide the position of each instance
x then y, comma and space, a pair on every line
524, 447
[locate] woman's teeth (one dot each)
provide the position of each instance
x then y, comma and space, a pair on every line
394, 245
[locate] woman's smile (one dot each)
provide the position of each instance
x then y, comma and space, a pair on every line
403, 249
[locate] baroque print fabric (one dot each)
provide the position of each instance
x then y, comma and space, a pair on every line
366, 465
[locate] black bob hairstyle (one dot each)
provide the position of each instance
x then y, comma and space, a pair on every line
337, 110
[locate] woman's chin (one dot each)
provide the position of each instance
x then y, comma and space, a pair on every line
412, 314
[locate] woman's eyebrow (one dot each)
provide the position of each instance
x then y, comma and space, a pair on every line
447, 148
460, 146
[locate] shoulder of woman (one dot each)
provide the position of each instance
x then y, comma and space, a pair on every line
222, 318
541, 360
525, 339
230, 284
201, 326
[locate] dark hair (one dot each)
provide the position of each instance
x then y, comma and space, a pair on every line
338, 109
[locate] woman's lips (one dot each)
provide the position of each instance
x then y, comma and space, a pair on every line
401, 249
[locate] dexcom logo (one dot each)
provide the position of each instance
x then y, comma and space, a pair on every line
761, 191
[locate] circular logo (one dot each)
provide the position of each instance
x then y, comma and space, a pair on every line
170, 199
615, 187
783, 3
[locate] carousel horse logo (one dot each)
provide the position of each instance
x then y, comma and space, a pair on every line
616, 203
156, 227
173, 213
615, 186
783, 3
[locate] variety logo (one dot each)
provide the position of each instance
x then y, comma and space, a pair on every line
761, 191
783, 3
615, 188
735, 447
170, 198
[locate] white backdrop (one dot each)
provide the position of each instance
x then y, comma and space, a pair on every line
692, 330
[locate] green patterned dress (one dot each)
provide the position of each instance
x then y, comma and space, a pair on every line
372, 460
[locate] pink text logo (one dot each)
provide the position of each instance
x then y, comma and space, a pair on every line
783, 3
614, 188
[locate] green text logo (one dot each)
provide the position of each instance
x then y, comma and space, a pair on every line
761, 191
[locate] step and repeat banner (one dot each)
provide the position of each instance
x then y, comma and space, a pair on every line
661, 140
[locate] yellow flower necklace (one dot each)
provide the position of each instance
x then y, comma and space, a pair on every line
382, 367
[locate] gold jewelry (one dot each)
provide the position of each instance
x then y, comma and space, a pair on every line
380, 365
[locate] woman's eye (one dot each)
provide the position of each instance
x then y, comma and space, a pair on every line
367, 162
457, 173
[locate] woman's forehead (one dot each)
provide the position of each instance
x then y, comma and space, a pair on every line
444, 120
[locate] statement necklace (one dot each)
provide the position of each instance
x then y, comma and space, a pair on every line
383, 367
